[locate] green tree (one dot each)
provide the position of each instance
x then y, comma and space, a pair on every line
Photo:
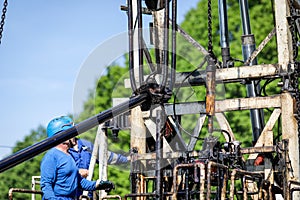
20, 175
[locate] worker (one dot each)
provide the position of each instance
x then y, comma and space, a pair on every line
60, 177
81, 151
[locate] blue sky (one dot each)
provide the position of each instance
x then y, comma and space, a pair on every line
44, 45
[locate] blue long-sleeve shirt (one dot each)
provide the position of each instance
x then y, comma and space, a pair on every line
60, 176
83, 156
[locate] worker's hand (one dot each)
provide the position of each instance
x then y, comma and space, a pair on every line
104, 185
84, 172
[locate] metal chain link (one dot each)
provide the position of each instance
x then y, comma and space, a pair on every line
295, 76
3, 18
295, 84
292, 22
297, 92
209, 28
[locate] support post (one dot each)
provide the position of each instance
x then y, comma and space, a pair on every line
289, 133
137, 143
283, 34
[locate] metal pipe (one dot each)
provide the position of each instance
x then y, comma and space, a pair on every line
270, 195
244, 189
202, 178
112, 197
287, 171
224, 188
292, 191
143, 186
165, 45
224, 32
84, 197
248, 46
266, 194
130, 35
209, 165
139, 195
79, 128
186, 186
242, 172
289, 188
260, 47
196, 178
223, 23
208, 181
20, 190
159, 153
34, 181
202, 181
245, 16
140, 41
232, 178
144, 47
261, 192
174, 44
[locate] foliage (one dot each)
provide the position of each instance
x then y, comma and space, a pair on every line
20, 176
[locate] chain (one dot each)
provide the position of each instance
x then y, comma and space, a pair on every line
209, 30
295, 76
294, 83
292, 23
297, 94
209, 27
3, 18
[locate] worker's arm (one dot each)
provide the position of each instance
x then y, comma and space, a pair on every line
116, 159
48, 176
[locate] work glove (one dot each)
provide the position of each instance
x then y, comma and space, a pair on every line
104, 185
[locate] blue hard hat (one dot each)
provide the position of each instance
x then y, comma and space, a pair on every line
59, 124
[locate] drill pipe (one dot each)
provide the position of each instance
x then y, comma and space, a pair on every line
79, 128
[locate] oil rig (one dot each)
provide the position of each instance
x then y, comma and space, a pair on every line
165, 164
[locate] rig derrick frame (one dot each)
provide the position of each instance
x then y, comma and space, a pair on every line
198, 179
